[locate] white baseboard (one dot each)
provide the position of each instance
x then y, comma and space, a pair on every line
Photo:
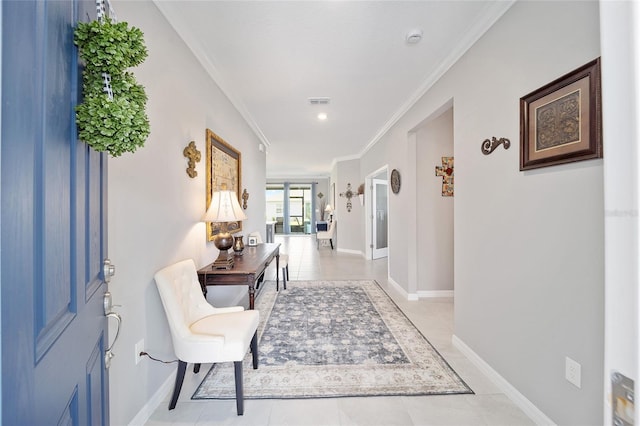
509, 390
402, 291
424, 294
154, 402
342, 250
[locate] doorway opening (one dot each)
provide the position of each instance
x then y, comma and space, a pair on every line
377, 215
435, 206
290, 207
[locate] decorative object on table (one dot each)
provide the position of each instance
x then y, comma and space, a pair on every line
361, 193
224, 208
562, 121
348, 194
245, 197
397, 360
488, 146
112, 116
322, 208
446, 171
223, 167
395, 181
238, 245
194, 156
252, 241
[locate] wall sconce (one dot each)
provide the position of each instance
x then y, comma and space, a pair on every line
348, 194
245, 197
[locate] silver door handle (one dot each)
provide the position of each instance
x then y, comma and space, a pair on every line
108, 355
119, 321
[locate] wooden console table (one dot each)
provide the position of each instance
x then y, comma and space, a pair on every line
246, 269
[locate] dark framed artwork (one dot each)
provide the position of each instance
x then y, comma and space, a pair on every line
562, 121
224, 166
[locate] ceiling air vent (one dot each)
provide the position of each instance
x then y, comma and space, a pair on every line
319, 101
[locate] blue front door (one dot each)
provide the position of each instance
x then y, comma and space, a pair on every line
53, 226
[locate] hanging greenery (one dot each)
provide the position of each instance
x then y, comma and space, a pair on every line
116, 124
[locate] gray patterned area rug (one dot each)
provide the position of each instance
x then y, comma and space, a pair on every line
323, 339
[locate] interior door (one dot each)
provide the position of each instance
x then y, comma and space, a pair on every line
52, 227
379, 224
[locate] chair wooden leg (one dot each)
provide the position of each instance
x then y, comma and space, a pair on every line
331, 242
285, 276
196, 368
182, 367
254, 350
239, 390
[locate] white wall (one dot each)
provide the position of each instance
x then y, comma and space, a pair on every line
529, 259
154, 207
434, 140
350, 226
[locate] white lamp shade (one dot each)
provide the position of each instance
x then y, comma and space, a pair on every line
328, 209
224, 207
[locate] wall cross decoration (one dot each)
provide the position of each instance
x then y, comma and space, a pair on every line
446, 171
348, 194
194, 156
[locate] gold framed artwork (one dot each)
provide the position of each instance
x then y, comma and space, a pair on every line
562, 121
224, 166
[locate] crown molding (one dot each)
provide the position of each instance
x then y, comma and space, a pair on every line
195, 47
492, 13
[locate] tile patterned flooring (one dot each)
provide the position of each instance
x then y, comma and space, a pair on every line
433, 317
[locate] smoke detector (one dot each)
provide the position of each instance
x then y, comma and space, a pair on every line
414, 36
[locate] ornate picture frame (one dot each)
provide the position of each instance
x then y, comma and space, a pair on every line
562, 121
224, 166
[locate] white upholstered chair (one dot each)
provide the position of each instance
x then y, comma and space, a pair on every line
201, 333
283, 262
329, 234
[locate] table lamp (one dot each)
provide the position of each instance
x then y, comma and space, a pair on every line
224, 208
329, 211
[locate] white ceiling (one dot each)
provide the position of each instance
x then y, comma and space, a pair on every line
269, 57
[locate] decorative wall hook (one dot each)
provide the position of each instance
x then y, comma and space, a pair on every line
488, 146
194, 156
348, 194
446, 171
245, 197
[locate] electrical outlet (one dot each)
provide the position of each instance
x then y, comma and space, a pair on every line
139, 348
572, 372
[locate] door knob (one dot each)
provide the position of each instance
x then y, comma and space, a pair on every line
108, 270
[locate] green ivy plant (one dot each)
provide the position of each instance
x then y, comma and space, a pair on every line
120, 124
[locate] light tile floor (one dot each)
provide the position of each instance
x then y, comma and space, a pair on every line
433, 317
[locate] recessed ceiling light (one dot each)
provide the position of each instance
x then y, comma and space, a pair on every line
322, 116
414, 36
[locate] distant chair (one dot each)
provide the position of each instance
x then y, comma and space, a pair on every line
201, 333
283, 262
327, 235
